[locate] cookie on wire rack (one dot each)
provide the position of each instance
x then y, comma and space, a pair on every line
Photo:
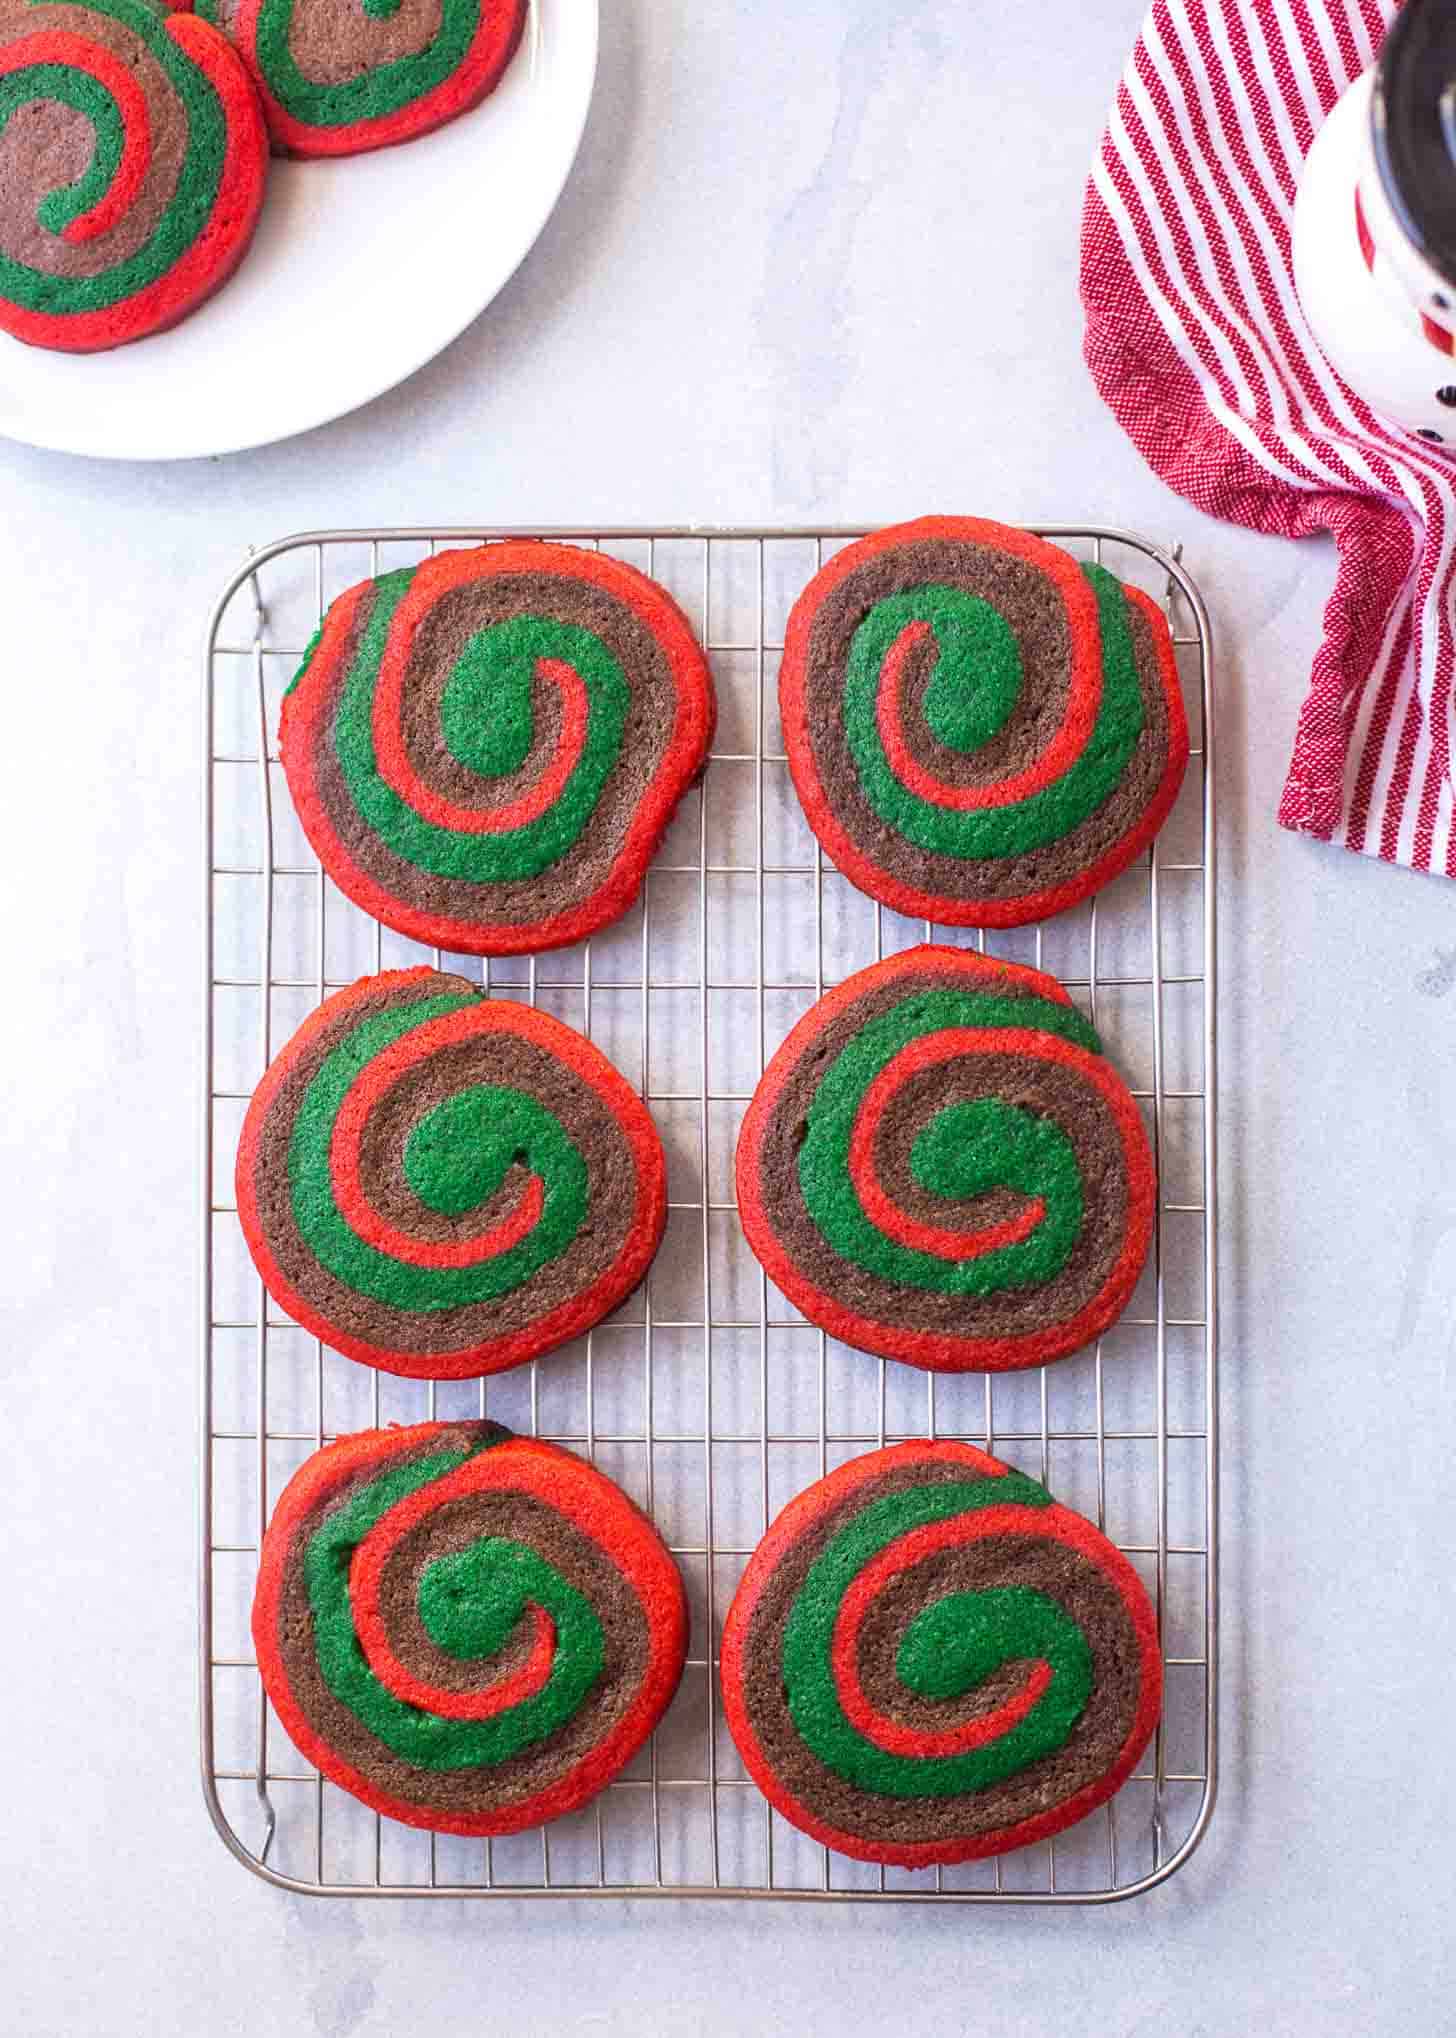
468, 1630
940, 1165
133, 161
486, 749
443, 1184
981, 730
929, 1660
337, 77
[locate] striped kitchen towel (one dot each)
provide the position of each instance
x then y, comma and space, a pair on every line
1196, 340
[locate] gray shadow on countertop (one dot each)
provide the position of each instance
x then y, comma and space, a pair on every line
549, 277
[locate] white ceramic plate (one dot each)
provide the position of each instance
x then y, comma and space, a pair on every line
362, 270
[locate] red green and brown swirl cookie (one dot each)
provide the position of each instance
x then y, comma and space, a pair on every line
981, 731
341, 76
940, 1165
929, 1660
468, 1630
443, 1184
486, 749
132, 165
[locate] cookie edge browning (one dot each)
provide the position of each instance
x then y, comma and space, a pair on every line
639, 1129
800, 1515
683, 761
872, 878
936, 1351
668, 1650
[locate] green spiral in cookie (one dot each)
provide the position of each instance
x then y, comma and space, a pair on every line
443, 1183
969, 1634
162, 207
982, 729
929, 1660
486, 748
486, 727
941, 1165
502, 1578
489, 1128
968, 1147
336, 80
964, 671
468, 1630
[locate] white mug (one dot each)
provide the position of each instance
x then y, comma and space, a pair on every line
1375, 228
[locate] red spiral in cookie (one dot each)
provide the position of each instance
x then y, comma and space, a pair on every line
444, 1184
981, 731
485, 750
132, 168
469, 1631
940, 1165
929, 1660
341, 76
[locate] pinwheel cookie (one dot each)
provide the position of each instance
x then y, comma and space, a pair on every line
468, 1630
486, 749
340, 76
443, 1184
132, 165
982, 732
929, 1660
941, 1166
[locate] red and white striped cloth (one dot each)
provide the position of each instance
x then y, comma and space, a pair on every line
1196, 340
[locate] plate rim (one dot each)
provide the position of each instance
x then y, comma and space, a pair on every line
49, 440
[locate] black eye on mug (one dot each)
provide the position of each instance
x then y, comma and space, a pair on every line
1441, 301
1425, 432
1447, 394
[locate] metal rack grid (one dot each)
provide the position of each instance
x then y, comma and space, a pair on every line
706, 1395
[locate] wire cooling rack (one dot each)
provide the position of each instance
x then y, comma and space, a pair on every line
706, 1395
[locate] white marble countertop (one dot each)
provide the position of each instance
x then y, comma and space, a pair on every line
816, 262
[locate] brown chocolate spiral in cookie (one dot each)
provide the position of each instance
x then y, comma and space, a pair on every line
469, 1630
982, 731
929, 1660
940, 1165
445, 1184
132, 167
486, 749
